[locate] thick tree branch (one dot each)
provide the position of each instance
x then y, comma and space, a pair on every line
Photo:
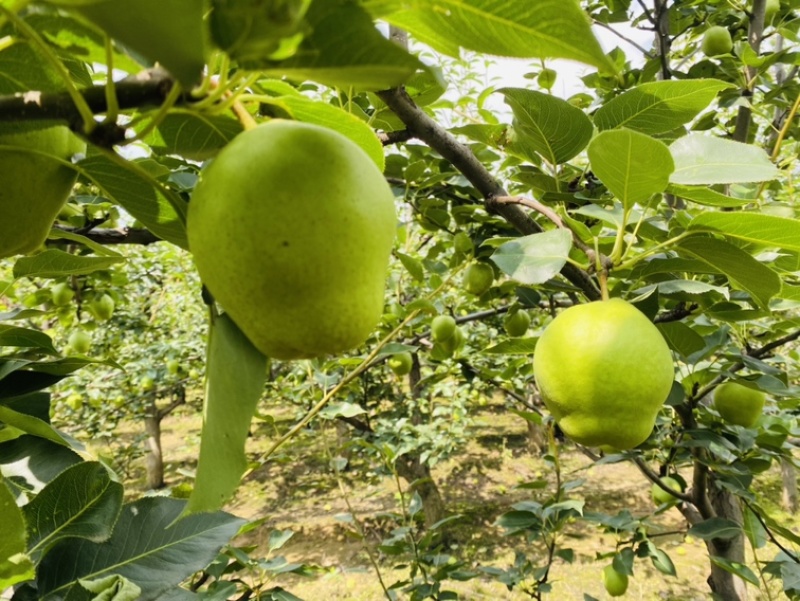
438, 138
145, 89
394, 137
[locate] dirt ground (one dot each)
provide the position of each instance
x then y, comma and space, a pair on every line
297, 490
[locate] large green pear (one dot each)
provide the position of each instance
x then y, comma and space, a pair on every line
34, 183
291, 228
603, 370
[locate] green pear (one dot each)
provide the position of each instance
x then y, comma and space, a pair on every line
661, 496
603, 371
517, 323
738, 404
401, 363
248, 30
443, 327
615, 583
35, 183
717, 40
291, 228
80, 342
478, 278
102, 307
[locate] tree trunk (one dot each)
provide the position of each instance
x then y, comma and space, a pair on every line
413, 470
725, 585
154, 461
537, 438
420, 481
789, 486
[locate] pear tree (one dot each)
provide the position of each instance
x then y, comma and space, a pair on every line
365, 217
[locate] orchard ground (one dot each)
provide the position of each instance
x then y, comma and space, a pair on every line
297, 490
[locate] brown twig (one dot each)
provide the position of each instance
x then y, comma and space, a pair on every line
462, 158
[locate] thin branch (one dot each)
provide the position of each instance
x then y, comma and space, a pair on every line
647, 13
434, 135
771, 536
624, 38
556, 219
676, 314
108, 236
738, 366
653, 477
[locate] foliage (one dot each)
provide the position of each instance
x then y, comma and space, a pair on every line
668, 180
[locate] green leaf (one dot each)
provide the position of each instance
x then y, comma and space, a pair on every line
721, 528
236, 375
551, 126
660, 106
345, 49
148, 548
112, 588
30, 462
127, 184
536, 258
633, 166
707, 196
736, 568
81, 502
31, 425
755, 278
15, 565
53, 263
98, 249
541, 29
335, 118
770, 231
515, 346
413, 266
193, 135
754, 529
701, 159
22, 69
681, 338
171, 32
662, 562
26, 338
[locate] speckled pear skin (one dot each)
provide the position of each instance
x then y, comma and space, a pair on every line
291, 228
603, 371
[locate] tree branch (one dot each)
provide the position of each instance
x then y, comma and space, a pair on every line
755, 32
145, 89
107, 236
394, 137
653, 477
438, 138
